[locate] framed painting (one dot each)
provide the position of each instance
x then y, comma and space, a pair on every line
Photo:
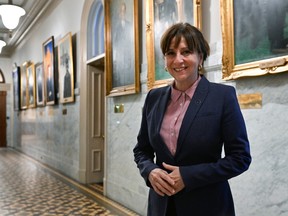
49, 73
16, 87
31, 78
122, 47
66, 70
159, 16
255, 39
24, 86
40, 84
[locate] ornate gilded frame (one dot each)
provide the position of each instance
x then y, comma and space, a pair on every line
152, 32
23, 86
115, 53
40, 90
49, 70
66, 69
31, 84
231, 70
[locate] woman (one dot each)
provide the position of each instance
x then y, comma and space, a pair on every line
186, 125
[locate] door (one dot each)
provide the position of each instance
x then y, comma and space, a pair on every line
95, 159
2, 119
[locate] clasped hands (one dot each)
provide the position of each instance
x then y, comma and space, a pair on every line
165, 183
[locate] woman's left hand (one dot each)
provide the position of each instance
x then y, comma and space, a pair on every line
176, 176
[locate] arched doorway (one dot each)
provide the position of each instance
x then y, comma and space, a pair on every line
92, 99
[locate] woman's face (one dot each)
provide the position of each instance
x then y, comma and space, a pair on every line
182, 63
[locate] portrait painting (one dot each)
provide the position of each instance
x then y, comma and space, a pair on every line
23, 86
49, 73
159, 16
255, 37
122, 47
16, 87
66, 71
40, 85
31, 78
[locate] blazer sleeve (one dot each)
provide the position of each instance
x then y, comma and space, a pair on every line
236, 147
143, 151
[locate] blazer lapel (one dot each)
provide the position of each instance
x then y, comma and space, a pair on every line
161, 108
194, 106
163, 100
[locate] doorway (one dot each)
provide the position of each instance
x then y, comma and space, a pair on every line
96, 121
3, 118
92, 102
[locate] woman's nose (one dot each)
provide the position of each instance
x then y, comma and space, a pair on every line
179, 57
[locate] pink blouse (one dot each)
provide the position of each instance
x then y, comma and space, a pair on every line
174, 115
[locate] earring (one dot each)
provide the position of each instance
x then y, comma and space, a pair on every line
200, 67
166, 69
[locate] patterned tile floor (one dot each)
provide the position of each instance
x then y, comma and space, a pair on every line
28, 188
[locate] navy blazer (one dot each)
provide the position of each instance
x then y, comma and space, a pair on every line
212, 121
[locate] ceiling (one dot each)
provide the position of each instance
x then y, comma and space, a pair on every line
34, 10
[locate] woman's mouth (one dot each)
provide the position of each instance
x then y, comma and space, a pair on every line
180, 69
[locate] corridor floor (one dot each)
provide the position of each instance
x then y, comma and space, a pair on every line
28, 188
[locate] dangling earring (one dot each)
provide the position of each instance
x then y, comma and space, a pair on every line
200, 67
166, 69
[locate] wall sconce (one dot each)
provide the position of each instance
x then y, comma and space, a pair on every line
2, 44
10, 15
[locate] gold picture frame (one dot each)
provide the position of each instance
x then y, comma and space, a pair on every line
23, 86
40, 90
249, 47
49, 70
122, 47
66, 69
31, 85
158, 18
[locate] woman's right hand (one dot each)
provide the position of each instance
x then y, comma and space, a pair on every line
161, 182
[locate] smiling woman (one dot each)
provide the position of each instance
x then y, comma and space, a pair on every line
182, 64
189, 173
159, 16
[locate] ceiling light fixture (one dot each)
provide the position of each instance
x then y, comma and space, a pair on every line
10, 15
2, 44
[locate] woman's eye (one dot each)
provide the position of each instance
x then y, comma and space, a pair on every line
169, 53
186, 53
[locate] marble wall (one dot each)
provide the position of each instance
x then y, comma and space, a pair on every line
122, 174
50, 137
263, 189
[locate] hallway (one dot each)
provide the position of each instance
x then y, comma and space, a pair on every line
27, 187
